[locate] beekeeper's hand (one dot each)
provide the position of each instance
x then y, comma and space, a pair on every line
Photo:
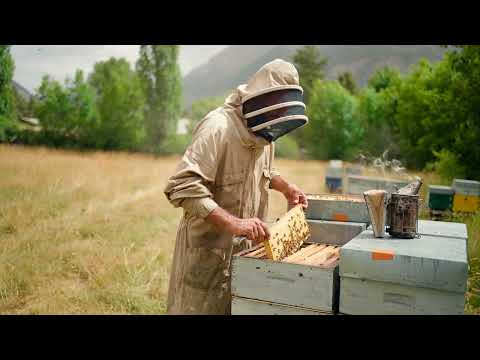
291, 192
253, 229
295, 196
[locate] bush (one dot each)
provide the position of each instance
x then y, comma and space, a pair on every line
286, 147
447, 166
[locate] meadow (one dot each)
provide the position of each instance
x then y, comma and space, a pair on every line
92, 233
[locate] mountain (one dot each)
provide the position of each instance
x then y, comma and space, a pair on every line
22, 91
235, 64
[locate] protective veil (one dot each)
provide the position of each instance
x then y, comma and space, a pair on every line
226, 165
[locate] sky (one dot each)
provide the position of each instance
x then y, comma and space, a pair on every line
60, 61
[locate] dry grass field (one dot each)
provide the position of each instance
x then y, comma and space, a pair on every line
93, 233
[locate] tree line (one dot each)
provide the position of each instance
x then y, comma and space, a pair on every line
115, 107
428, 118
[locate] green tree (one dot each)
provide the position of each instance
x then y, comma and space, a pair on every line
425, 117
200, 109
67, 113
384, 78
120, 102
348, 82
376, 115
464, 61
310, 65
333, 131
7, 125
161, 82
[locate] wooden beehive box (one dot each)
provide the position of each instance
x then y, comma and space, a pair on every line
467, 196
420, 276
440, 197
330, 207
306, 282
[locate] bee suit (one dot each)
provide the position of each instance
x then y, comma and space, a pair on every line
226, 165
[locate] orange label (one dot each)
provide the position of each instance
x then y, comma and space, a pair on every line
340, 217
382, 255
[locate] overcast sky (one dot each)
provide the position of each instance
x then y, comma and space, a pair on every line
59, 61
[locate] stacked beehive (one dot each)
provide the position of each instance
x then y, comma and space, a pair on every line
440, 198
305, 283
334, 176
467, 196
420, 276
463, 196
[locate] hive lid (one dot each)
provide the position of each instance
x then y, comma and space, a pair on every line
429, 261
442, 228
439, 189
466, 187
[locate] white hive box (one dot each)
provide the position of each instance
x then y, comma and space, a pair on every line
334, 232
442, 228
261, 286
421, 276
466, 187
348, 208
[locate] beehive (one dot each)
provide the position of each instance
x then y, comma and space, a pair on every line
306, 282
443, 229
467, 196
426, 275
334, 178
440, 197
349, 208
334, 232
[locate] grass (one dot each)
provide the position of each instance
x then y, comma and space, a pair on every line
94, 234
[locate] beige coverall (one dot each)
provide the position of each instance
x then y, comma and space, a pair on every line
228, 166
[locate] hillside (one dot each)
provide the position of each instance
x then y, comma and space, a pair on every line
237, 63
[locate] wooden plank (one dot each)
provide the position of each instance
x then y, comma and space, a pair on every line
322, 257
304, 253
287, 234
254, 253
367, 297
261, 255
332, 262
285, 283
243, 306
247, 251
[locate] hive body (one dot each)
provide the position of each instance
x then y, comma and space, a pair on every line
440, 197
403, 276
467, 196
306, 281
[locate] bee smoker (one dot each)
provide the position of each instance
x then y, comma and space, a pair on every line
402, 212
397, 213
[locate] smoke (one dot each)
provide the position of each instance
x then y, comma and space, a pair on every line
383, 165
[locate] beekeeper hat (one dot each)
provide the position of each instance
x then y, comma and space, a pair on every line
272, 101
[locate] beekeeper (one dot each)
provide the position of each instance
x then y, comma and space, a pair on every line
222, 184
